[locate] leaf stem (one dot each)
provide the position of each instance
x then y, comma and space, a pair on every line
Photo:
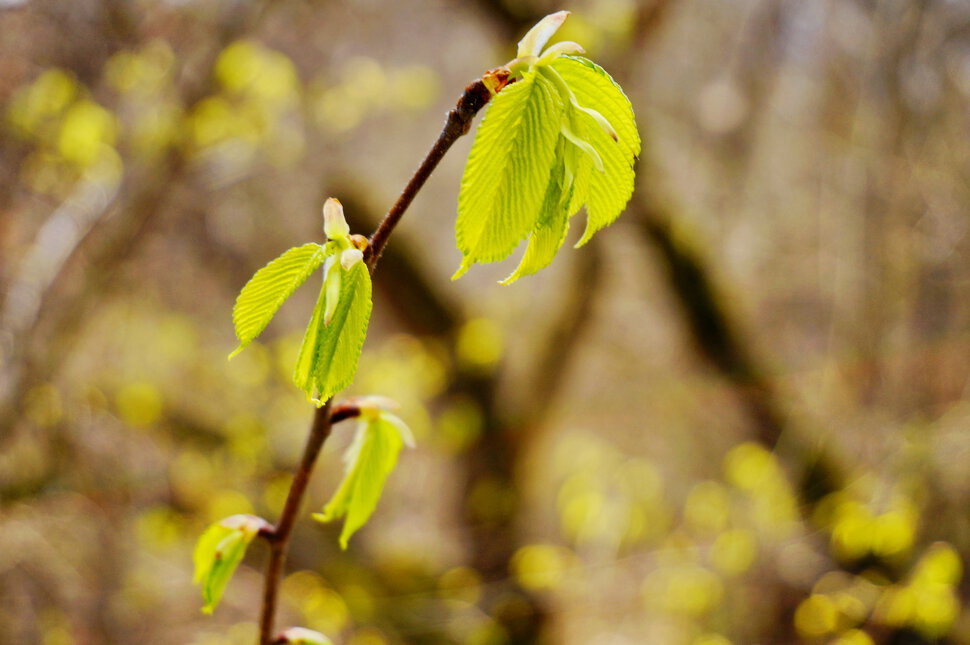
457, 124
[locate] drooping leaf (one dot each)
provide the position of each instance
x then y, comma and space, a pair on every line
368, 462
328, 357
609, 191
219, 551
604, 193
269, 288
577, 168
550, 230
595, 88
583, 145
508, 170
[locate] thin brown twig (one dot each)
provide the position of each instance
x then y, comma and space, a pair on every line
457, 124
279, 537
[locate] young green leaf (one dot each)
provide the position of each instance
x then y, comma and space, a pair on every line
607, 193
550, 229
368, 462
594, 88
328, 357
562, 137
219, 551
269, 288
505, 181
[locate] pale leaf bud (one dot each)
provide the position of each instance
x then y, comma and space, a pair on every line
533, 42
334, 224
350, 257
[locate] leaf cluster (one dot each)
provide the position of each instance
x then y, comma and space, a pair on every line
562, 136
369, 461
331, 346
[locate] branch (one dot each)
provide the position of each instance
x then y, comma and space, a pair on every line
279, 537
457, 124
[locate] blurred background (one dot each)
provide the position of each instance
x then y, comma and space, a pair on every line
739, 416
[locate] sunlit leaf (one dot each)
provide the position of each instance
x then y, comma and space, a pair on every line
562, 137
607, 193
328, 357
266, 291
508, 170
219, 551
368, 462
595, 88
550, 229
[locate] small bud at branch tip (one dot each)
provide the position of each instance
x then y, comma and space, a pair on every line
334, 223
496, 79
533, 42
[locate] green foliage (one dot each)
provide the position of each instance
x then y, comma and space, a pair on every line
562, 136
369, 461
331, 348
266, 292
328, 358
219, 551
508, 169
604, 193
550, 228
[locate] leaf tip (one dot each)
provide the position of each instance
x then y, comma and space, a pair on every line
583, 240
536, 38
465, 265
